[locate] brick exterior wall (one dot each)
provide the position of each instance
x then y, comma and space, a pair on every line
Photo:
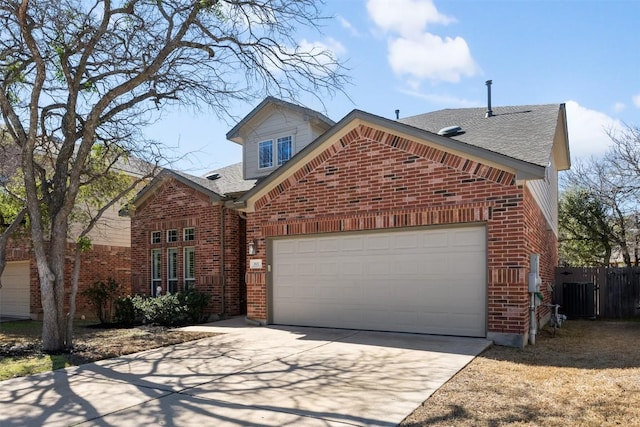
98, 264
370, 179
176, 206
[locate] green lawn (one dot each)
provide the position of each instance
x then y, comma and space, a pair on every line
19, 367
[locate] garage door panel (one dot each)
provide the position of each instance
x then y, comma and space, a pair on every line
427, 281
14, 294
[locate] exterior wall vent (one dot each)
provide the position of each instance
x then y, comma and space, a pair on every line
450, 131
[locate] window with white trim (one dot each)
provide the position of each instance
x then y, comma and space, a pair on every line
156, 237
189, 268
172, 270
172, 236
265, 154
285, 149
156, 272
189, 234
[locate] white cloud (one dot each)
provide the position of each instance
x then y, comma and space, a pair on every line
415, 52
348, 26
444, 101
636, 100
619, 107
587, 131
431, 57
406, 17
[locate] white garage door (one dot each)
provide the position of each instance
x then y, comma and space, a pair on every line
14, 294
426, 281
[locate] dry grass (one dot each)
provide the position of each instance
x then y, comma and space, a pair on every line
587, 375
20, 345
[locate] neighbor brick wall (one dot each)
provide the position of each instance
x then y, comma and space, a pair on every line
174, 205
97, 264
370, 179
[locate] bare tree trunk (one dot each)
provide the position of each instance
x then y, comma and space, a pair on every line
52, 289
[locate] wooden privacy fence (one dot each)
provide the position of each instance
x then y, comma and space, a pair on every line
608, 292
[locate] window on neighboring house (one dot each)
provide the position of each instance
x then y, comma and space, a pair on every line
172, 270
156, 237
172, 235
284, 149
156, 272
265, 153
189, 234
189, 268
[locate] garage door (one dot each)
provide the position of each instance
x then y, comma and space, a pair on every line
14, 294
426, 281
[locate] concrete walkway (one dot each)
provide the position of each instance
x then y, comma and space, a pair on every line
247, 376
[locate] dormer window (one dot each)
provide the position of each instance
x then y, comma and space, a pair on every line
265, 153
284, 149
268, 155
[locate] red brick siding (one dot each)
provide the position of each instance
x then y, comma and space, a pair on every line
373, 180
174, 205
541, 240
98, 264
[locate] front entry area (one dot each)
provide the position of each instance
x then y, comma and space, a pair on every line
422, 280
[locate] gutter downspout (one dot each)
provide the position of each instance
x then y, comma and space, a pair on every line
222, 267
532, 320
534, 288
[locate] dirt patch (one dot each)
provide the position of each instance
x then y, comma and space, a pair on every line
587, 375
20, 340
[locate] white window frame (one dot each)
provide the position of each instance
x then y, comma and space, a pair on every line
172, 270
175, 235
184, 234
189, 273
156, 235
156, 270
260, 145
281, 141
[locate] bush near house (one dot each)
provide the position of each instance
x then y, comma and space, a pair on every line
166, 310
102, 296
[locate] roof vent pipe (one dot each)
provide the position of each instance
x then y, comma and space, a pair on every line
397, 114
489, 110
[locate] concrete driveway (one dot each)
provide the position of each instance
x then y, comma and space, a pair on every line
270, 376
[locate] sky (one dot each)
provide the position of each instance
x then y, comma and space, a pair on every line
419, 56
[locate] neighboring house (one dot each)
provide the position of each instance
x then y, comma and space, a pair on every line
371, 223
110, 256
183, 235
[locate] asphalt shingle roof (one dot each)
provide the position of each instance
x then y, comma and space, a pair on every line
229, 180
524, 132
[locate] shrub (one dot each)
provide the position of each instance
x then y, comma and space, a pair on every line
194, 304
127, 311
172, 309
164, 310
101, 296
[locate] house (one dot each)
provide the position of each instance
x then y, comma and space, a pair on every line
426, 224
109, 256
184, 237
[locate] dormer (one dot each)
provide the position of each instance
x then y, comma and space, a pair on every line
273, 132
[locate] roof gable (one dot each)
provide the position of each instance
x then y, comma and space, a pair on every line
323, 147
271, 103
227, 182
